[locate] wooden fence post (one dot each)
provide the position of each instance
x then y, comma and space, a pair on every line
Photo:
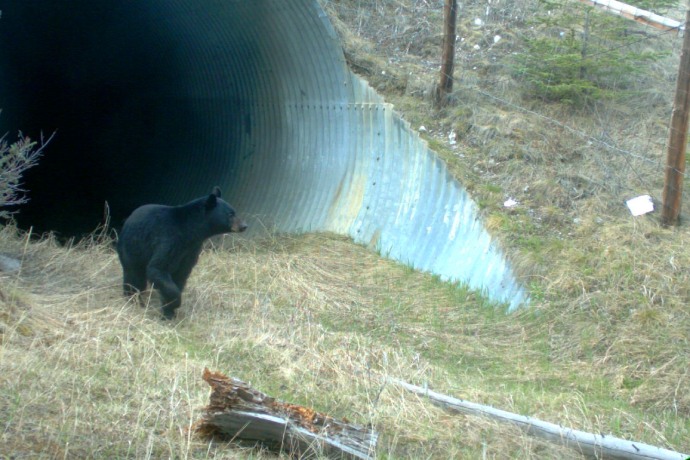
678, 137
445, 87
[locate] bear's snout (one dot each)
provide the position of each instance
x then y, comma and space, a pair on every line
237, 225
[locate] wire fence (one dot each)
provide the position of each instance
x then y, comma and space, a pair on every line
624, 137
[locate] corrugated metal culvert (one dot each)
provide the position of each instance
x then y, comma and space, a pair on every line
158, 100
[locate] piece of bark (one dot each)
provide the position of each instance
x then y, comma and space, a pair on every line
589, 444
238, 412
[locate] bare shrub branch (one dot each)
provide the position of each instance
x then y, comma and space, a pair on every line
15, 159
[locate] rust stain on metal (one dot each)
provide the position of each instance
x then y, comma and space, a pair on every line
347, 203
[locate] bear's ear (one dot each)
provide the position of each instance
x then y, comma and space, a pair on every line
211, 201
216, 191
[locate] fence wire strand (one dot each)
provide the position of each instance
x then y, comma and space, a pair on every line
402, 39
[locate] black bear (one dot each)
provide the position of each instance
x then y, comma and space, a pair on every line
161, 244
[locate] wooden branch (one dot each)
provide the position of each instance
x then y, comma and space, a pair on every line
637, 14
237, 411
596, 445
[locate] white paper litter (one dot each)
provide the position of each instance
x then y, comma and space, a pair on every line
510, 202
640, 205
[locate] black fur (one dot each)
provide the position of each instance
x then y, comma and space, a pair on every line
161, 244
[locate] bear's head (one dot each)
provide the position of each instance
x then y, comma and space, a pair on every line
220, 216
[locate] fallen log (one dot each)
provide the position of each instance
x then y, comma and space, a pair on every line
589, 444
238, 412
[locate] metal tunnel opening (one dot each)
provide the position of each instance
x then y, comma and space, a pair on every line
158, 101
146, 106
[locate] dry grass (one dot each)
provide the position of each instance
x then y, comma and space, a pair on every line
314, 320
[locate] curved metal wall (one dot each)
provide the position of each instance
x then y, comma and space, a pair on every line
254, 95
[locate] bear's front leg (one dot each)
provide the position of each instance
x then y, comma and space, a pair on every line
170, 293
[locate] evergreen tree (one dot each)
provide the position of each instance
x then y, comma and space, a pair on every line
578, 54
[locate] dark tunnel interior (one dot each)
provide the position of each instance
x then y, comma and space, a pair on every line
106, 79
158, 101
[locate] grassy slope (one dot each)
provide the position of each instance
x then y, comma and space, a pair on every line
315, 319
611, 290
